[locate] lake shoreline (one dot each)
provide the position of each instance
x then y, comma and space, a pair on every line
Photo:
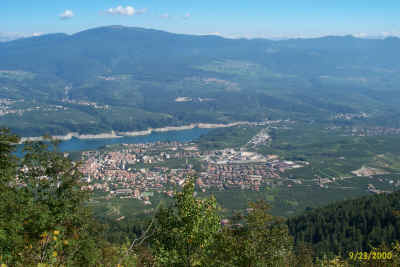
114, 134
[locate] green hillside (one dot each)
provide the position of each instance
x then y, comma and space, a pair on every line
350, 226
127, 78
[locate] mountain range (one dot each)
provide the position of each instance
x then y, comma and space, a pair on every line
127, 78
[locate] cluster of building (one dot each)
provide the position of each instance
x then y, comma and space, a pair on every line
232, 156
350, 116
188, 99
374, 131
86, 103
137, 170
6, 107
137, 167
260, 139
243, 176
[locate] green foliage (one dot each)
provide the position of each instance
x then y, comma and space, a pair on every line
184, 232
350, 226
231, 137
46, 221
256, 239
43, 216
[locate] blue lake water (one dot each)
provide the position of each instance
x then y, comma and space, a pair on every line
76, 144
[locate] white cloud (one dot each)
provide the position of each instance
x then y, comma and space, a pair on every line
35, 34
211, 33
360, 35
9, 36
390, 34
126, 11
187, 16
165, 16
4, 37
380, 35
67, 14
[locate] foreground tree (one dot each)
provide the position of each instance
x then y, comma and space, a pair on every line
10, 218
254, 239
189, 233
43, 215
184, 232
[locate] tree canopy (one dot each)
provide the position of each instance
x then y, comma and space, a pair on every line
45, 221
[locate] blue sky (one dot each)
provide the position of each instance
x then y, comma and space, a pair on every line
234, 18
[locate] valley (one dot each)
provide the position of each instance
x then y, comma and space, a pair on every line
200, 133
245, 163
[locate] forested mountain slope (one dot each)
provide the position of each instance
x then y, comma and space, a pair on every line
126, 78
350, 226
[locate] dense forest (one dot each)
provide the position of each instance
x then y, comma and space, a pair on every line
45, 220
354, 225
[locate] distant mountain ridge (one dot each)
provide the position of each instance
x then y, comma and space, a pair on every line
138, 73
101, 45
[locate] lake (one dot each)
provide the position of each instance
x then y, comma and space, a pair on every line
75, 144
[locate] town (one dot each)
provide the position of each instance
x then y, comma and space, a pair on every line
139, 170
